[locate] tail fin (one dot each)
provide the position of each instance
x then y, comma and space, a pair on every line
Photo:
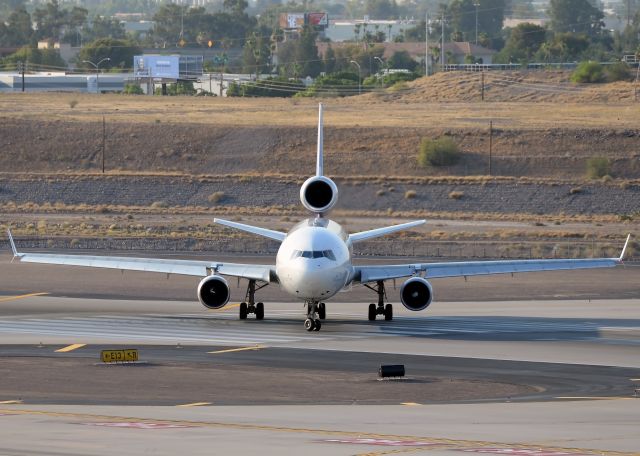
319, 159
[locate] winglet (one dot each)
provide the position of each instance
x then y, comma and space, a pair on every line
13, 245
319, 164
624, 249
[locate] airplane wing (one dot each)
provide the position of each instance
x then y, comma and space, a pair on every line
260, 272
271, 234
364, 274
363, 235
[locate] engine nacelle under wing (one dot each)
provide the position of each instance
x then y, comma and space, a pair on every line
416, 294
319, 194
213, 292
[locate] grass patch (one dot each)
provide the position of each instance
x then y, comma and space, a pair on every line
410, 194
456, 195
598, 167
216, 197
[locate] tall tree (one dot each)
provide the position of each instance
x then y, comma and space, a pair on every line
17, 31
120, 52
524, 41
576, 16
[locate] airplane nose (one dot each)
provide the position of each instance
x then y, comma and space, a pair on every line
313, 281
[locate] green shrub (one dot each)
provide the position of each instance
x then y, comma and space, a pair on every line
438, 152
618, 71
588, 72
133, 89
598, 167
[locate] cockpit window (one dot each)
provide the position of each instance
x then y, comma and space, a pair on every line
329, 254
313, 254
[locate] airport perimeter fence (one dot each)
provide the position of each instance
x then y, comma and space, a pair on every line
438, 250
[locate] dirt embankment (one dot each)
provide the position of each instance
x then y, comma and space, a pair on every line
202, 194
30, 145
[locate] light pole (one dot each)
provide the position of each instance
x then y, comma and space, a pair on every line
97, 67
359, 79
476, 4
381, 67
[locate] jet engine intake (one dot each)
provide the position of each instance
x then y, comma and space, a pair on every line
213, 292
319, 194
416, 294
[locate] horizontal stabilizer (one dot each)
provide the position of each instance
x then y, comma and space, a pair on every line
271, 234
363, 235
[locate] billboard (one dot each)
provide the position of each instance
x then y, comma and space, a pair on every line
156, 66
291, 20
318, 19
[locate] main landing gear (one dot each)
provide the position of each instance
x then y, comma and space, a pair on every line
380, 309
250, 306
316, 311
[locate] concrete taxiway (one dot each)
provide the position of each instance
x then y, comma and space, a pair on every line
536, 377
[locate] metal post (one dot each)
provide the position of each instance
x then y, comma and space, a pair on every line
482, 85
104, 139
490, 143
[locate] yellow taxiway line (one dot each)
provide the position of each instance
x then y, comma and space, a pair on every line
69, 348
228, 307
194, 404
14, 298
230, 350
410, 404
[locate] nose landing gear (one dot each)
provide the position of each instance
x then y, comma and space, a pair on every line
250, 306
380, 309
316, 311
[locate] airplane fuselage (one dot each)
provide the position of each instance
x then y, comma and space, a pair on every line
314, 260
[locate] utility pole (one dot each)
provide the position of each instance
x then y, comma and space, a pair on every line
21, 69
442, 45
426, 44
477, 4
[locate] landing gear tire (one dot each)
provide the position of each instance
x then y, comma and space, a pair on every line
259, 311
309, 324
372, 312
322, 311
388, 312
244, 310
317, 325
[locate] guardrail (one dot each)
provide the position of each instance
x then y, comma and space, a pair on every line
479, 67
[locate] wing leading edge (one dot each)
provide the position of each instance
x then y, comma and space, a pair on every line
364, 274
265, 273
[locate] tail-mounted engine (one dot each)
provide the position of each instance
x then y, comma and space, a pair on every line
319, 194
416, 294
213, 292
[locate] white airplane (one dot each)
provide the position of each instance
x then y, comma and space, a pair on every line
315, 261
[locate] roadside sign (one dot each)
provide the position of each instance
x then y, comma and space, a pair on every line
119, 356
